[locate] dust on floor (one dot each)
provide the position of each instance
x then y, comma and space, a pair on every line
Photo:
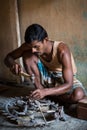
71, 123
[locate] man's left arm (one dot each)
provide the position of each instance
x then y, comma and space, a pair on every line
67, 72
64, 57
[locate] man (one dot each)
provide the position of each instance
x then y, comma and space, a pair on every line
52, 64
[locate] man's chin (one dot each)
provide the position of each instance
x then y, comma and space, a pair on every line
39, 54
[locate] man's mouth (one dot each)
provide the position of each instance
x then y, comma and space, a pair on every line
37, 53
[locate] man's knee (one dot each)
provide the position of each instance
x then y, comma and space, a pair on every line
78, 94
31, 59
30, 62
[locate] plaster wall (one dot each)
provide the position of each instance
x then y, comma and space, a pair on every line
64, 20
8, 35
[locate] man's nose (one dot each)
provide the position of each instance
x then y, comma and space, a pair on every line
34, 50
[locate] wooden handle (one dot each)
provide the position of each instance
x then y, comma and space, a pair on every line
24, 74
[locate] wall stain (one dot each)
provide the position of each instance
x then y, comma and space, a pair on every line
85, 15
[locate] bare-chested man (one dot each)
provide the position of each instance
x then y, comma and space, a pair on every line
52, 64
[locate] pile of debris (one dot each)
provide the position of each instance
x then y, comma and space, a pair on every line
28, 112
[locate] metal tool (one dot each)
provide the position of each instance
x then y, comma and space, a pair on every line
38, 104
25, 74
32, 76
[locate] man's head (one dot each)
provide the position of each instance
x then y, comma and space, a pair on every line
35, 32
36, 36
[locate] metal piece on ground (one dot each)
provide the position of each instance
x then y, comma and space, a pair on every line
28, 112
38, 103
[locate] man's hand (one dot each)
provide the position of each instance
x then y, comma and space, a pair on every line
38, 93
15, 69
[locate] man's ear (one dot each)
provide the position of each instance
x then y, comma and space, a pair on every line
45, 39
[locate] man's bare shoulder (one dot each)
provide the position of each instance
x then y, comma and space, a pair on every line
63, 47
63, 50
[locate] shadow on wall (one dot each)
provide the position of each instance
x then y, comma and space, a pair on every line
79, 49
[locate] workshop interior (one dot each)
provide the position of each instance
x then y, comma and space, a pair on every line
64, 20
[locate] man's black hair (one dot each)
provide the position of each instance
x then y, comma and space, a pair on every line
35, 32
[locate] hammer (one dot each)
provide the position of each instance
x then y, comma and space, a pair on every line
28, 75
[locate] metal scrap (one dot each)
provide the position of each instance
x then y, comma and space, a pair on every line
28, 112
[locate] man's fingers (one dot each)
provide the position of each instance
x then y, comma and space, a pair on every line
12, 69
17, 68
36, 97
35, 91
35, 94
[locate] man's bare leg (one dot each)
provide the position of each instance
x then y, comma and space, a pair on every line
77, 95
30, 63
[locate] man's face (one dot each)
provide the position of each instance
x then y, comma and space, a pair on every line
37, 47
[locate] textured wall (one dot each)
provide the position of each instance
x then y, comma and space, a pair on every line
64, 20
8, 34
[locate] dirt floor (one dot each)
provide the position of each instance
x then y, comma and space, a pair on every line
7, 91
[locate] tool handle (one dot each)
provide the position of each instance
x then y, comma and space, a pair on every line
24, 74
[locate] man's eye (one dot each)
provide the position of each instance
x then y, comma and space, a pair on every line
36, 47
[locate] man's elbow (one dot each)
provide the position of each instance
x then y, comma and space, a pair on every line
7, 60
70, 84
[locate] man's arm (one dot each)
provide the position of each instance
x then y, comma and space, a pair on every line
64, 57
12, 56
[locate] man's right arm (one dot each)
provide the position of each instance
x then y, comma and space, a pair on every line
12, 56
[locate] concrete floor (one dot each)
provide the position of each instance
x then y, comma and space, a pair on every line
6, 92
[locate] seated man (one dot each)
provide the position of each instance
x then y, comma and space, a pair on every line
52, 64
